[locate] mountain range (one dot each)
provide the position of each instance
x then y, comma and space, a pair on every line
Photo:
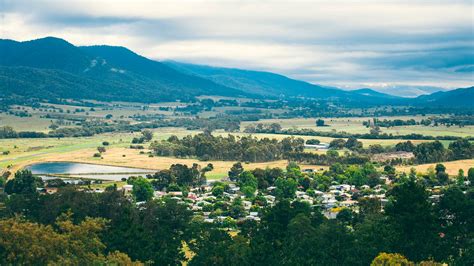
54, 68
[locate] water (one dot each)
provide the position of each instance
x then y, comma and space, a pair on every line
83, 170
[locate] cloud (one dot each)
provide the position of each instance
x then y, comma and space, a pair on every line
343, 43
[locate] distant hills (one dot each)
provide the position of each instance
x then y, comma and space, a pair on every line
409, 91
275, 85
463, 97
53, 68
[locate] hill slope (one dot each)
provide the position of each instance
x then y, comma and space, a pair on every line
52, 67
271, 84
463, 97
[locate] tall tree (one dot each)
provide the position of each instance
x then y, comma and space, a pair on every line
413, 219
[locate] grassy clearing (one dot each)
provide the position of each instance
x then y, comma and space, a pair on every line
28, 151
452, 167
34, 123
31, 151
366, 142
354, 125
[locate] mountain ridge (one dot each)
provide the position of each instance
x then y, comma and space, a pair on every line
55, 68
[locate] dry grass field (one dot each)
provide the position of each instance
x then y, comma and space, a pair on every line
354, 125
452, 167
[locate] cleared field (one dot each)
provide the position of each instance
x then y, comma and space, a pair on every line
452, 168
366, 142
354, 125
34, 123
118, 156
23, 152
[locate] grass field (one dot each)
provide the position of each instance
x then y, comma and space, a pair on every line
366, 142
452, 167
34, 123
354, 125
23, 152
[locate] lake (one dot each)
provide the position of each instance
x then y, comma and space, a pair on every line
84, 170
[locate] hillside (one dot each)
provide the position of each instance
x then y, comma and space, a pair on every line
274, 85
52, 67
463, 97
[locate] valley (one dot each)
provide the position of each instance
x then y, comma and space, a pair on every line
222, 166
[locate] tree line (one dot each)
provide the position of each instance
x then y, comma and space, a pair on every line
432, 152
231, 148
272, 129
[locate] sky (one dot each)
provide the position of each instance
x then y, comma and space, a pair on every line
392, 46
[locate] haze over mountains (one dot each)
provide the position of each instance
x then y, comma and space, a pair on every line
53, 68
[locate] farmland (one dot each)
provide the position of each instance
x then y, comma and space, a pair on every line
21, 152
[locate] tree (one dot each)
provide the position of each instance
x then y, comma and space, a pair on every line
353, 144
470, 175
369, 206
300, 235
235, 171
375, 130
23, 183
405, 146
27, 243
246, 178
285, 188
142, 189
147, 134
216, 247
460, 178
430, 152
162, 179
345, 216
236, 209
337, 144
461, 149
441, 174
456, 216
387, 259
442, 177
440, 168
320, 123
313, 141
218, 191
414, 222
101, 149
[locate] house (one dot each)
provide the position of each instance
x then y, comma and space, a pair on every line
127, 189
250, 217
253, 213
320, 146
234, 190
347, 203
247, 204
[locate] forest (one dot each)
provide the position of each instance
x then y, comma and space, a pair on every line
75, 226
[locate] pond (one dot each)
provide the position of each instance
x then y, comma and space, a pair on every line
84, 170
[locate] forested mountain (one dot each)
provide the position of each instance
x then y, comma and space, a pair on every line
53, 68
271, 84
463, 97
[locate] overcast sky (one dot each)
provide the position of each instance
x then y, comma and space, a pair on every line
349, 44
